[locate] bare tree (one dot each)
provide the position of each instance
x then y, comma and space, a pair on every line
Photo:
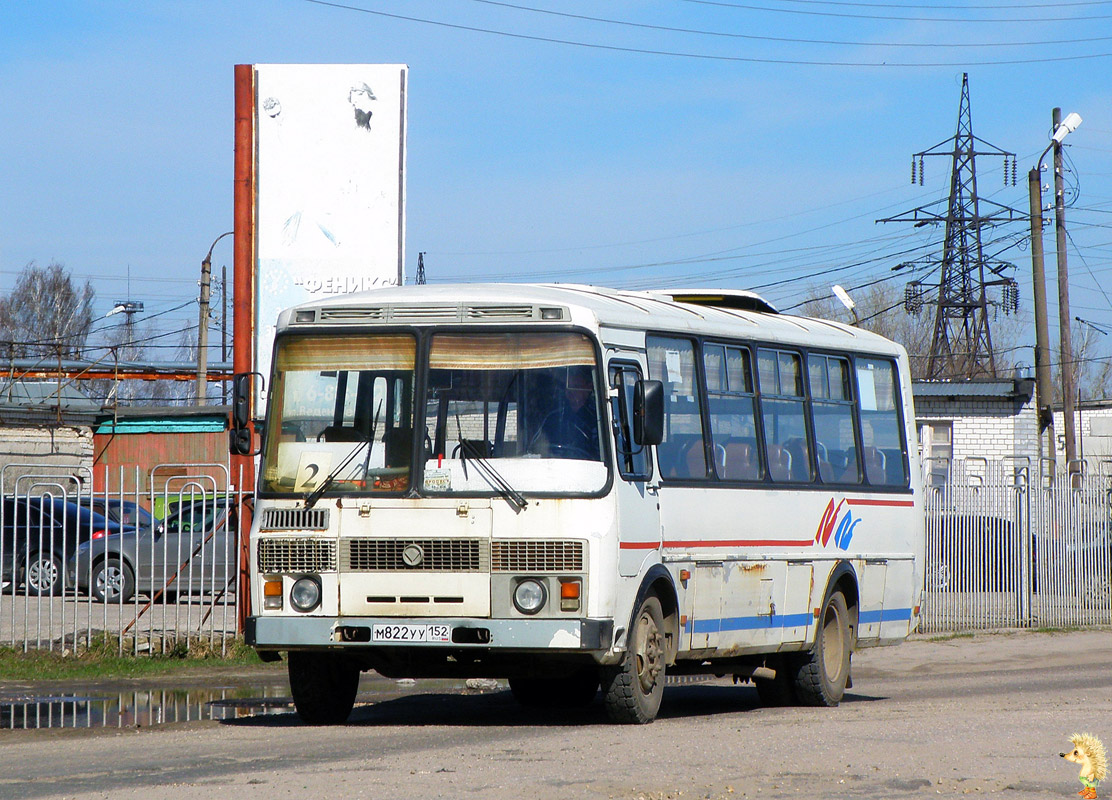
46, 314
1093, 368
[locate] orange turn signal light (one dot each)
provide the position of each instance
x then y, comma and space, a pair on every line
569, 590
272, 589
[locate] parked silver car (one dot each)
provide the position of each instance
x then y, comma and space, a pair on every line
193, 551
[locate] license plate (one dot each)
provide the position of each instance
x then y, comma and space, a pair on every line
411, 633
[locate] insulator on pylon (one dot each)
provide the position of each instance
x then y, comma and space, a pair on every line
920, 170
913, 170
913, 297
1009, 297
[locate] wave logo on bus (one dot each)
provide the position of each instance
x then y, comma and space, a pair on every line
835, 523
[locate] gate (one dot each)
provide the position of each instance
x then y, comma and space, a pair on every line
112, 559
1008, 549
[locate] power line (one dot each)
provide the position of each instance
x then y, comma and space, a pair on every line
746, 7
706, 56
783, 39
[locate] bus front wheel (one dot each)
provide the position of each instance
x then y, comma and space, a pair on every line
323, 687
633, 688
822, 674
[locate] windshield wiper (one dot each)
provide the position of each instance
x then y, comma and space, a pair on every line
489, 473
312, 497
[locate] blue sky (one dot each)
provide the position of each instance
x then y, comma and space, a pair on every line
554, 161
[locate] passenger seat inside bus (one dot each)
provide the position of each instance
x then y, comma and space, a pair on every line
779, 463
739, 463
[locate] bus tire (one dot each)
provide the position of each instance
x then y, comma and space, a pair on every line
778, 691
633, 688
574, 691
821, 674
323, 687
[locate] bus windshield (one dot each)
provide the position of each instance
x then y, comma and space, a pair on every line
527, 403
341, 406
502, 412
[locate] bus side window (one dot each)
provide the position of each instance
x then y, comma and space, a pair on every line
682, 454
633, 460
733, 417
832, 410
783, 406
884, 450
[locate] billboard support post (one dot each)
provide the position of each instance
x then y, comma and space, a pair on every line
243, 303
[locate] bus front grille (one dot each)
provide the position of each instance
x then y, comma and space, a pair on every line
434, 555
294, 519
297, 555
530, 555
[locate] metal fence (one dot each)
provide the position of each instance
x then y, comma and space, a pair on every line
84, 563
1008, 547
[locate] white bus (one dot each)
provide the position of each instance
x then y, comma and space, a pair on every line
577, 488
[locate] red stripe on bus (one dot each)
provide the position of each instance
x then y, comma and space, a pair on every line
718, 543
893, 503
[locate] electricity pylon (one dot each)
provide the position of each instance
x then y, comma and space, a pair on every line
961, 346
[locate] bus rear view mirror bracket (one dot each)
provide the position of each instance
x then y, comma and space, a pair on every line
240, 435
648, 412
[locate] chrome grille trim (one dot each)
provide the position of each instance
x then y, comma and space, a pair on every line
437, 555
294, 519
352, 314
532, 555
457, 312
424, 313
297, 555
504, 312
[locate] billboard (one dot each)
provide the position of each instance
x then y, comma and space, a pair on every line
330, 144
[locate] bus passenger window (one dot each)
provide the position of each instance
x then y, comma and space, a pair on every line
733, 420
682, 453
787, 447
884, 449
832, 413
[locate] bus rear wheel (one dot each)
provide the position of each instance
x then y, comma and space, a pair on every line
821, 675
633, 688
323, 686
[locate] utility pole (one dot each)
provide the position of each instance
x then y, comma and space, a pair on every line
224, 328
1064, 318
202, 324
1043, 391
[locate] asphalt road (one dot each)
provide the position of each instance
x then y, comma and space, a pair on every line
953, 718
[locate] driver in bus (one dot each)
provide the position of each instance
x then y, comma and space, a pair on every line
571, 429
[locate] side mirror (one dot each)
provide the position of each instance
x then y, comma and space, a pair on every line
648, 412
241, 400
240, 436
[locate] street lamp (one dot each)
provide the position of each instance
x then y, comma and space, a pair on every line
1062, 128
847, 301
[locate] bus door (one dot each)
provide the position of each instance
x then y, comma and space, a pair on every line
639, 533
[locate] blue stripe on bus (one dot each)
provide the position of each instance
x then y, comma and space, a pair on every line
747, 623
884, 615
787, 621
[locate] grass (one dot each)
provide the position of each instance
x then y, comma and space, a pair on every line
100, 659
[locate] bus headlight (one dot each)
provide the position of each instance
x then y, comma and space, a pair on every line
530, 596
305, 594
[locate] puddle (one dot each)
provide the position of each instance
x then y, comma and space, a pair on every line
138, 708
